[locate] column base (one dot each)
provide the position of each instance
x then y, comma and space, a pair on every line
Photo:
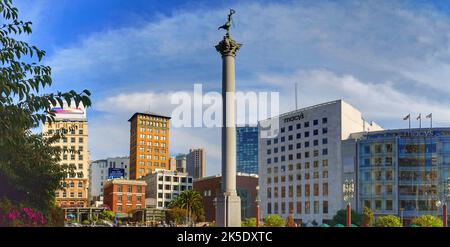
228, 212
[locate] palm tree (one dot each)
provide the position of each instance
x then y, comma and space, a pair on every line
189, 200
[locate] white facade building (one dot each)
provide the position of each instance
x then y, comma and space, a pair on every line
164, 185
99, 173
301, 161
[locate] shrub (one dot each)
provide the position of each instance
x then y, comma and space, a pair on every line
20, 215
273, 220
427, 221
367, 217
85, 222
388, 221
249, 222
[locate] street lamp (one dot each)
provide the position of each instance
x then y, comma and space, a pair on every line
348, 189
444, 203
257, 201
401, 214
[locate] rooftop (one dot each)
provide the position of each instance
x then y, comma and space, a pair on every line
150, 114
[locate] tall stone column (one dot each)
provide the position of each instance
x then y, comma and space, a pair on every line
228, 211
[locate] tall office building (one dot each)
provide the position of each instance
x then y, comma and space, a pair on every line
102, 170
73, 123
196, 163
149, 143
247, 149
180, 161
301, 163
402, 172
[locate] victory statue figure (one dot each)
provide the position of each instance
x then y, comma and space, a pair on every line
227, 25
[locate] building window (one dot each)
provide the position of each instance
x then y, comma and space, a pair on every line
80, 184
307, 207
315, 132
306, 133
377, 204
307, 190
389, 205
316, 207
299, 207
269, 192
269, 208
72, 194
315, 122
324, 130
283, 130
299, 145
325, 189
299, 135
80, 194
325, 174
316, 189
325, 151
325, 207
316, 142
72, 185
299, 126
306, 144
119, 188
119, 208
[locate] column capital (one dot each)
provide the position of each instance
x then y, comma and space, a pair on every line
228, 47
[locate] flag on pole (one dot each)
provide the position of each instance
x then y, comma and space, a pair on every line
407, 117
419, 117
429, 115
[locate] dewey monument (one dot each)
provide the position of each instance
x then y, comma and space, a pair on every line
228, 210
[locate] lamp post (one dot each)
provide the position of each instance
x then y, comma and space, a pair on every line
401, 215
257, 201
444, 203
348, 189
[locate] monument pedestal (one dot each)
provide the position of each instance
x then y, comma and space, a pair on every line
228, 212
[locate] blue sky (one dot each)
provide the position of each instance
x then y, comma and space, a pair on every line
387, 58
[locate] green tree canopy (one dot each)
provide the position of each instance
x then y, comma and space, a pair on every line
29, 165
273, 220
427, 221
388, 221
341, 217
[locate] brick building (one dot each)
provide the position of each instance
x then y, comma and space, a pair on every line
124, 196
209, 188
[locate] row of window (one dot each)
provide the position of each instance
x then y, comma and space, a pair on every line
75, 175
299, 210
155, 150
298, 176
154, 157
175, 179
298, 156
128, 198
149, 144
72, 140
72, 184
72, 132
71, 194
298, 136
174, 187
298, 166
378, 175
298, 146
154, 137
378, 148
155, 131
128, 188
72, 157
153, 124
288, 191
305, 124
150, 163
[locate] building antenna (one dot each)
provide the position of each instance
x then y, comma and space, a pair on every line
296, 97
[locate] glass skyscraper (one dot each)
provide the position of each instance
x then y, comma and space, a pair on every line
403, 172
247, 149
